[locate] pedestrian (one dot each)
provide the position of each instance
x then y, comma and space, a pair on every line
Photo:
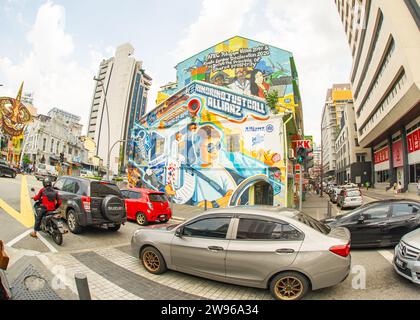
367, 185
399, 187
395, 188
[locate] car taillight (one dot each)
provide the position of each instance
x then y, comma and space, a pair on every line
343, 251
150, 205
86, 203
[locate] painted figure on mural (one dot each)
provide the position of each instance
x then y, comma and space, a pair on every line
259, 87
241, 84
213, 182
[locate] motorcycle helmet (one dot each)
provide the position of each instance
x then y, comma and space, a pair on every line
47, 183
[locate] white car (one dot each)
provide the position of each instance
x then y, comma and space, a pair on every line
407, 257
86, 173
350, 198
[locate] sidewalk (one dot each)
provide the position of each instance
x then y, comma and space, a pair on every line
380, 194
317, 207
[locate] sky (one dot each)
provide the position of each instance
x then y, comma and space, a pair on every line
56, 46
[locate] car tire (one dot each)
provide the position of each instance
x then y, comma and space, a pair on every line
114, 228
164, 221
289, 286
72, 223
152, 260
141, 219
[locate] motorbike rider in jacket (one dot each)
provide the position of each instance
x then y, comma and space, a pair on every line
50, 201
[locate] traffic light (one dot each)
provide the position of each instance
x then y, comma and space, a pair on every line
301, 155
61, 157
309, 162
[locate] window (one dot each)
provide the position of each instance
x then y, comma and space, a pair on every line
403, 209
71, 186
58, 145
414, 172
44, 144
157, 197
59, 184
134, 195
208, 228
377, 212
253, 229
382, 176
311, 222
52, 146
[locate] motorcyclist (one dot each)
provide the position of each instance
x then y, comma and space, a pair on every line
50, 201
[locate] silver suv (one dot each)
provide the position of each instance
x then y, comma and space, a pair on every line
407, 256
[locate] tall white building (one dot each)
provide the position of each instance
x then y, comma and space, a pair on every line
384, 39
123, 85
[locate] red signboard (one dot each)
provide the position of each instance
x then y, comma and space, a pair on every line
381, 155
397, 154
413, 141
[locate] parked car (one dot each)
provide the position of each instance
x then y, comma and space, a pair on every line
43, 171
145, 205
90, 203
407, 257
86, 173
380, 223
349, 198
6, 169
260, 246
334, 194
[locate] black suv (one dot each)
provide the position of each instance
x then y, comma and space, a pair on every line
90, 203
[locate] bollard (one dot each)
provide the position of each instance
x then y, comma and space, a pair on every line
205, 205
82, 286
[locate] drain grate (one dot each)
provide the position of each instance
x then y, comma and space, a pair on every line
30, 285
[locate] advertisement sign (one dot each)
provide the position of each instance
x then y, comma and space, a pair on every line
381, 155
413, 141
397, 154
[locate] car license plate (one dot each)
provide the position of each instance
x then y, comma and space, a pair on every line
400, 263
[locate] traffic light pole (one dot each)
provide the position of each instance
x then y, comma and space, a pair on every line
300, 187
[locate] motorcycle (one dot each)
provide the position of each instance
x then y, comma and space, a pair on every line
52, 223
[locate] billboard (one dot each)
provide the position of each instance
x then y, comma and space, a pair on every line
244, 66
209, 143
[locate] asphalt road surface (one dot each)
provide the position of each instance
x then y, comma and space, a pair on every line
372, 274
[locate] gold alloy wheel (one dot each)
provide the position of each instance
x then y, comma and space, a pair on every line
288, 288
140, 219
151, 261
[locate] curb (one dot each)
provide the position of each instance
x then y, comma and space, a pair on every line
178, 218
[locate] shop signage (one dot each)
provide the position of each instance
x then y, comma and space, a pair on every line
381, 155
413, 141
397, 154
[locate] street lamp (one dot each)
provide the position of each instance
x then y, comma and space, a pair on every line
109, 154
109, 133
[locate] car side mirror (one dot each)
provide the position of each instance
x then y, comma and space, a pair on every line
178, 232
33, 189
361, 219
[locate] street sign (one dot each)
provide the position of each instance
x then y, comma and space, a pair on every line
303, 144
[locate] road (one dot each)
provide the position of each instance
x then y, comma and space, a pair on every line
114, 273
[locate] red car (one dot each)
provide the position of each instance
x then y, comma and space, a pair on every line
145, 205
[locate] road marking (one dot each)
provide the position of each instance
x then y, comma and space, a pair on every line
18, 238
47, 244
25, 204
387, 255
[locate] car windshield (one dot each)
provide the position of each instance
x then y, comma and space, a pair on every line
103, 189
157, 197
313, 223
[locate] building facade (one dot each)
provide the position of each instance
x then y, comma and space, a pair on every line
353, 161
214, 141
384, 39
48, 136
338, 98
123, 87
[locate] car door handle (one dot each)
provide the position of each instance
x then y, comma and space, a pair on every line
285, 250
215, 248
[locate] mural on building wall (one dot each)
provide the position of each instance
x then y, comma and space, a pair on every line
244, 66
13, 115
209, 143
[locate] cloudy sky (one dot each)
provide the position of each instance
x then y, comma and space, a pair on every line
56, 46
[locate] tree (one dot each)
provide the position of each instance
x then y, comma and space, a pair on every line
26, 159
272, 99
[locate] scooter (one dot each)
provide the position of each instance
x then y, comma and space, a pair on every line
52, 223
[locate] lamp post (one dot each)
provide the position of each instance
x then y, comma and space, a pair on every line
109, 127
109, 154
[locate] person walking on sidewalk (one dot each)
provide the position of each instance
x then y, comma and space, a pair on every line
367, 184
418, 186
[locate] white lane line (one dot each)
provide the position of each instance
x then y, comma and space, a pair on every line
47, 244
18, 238
387, 255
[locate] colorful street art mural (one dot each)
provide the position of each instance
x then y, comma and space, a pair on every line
209, 143
244, 66
13, 115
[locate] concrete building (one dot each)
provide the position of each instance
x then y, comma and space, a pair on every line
125, 85
384, 39
353, 161
48, 136
338, 98
315, 171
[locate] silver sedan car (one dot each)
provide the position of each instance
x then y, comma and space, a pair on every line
282, 250
407, 256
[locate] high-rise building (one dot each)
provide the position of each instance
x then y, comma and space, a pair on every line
384, 39
338, 98
123, 87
